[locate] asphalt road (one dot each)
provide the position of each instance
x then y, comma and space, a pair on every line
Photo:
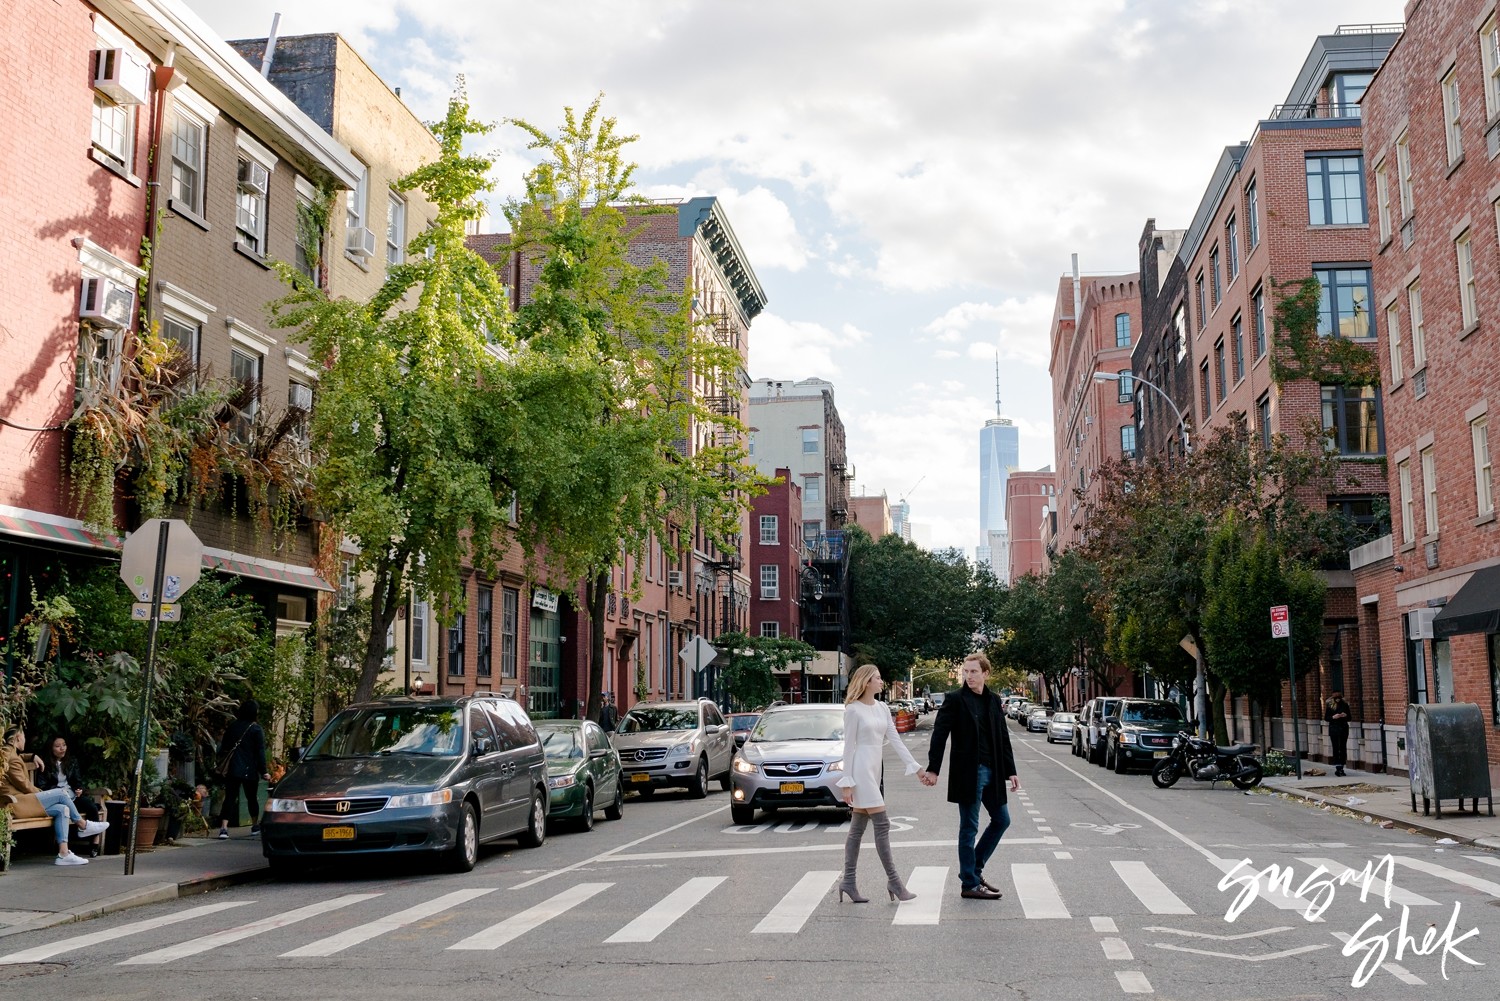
1111, 888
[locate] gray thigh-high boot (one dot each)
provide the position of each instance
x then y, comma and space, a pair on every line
857, 824
894, 886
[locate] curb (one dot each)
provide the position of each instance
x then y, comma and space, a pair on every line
153, 893
1404, 822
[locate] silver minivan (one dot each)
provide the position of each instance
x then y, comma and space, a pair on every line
674, 744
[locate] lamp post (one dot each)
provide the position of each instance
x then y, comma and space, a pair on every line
1181, 421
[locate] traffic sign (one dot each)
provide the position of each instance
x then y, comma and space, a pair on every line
184, 560
697, 653
1281, 623
141, 612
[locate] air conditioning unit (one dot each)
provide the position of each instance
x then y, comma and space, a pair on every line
254, 177
106, 303
360, 241
119, 77
676, 578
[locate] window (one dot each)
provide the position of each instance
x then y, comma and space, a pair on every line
1180, 330
1335, 189
750, 445
299, 402
348, 584
1452, 116
113, 132
482, 637
310, 235
98, 363
456, 652
1219, 368
419, 615
186, 334
1127, 441
770, 630
1202, 302
188, 144
1393, 336
1403, 175
395, 229
811, 530
1489, 54
812, 489
1252, 216
1215, 291
770, 582
1263, 418
1258, 319
1468, 301
1429, 489
1352, 414
1203, 390
245, 371
1237, 336
1122, 330
1232, 247
510, 601
1346, 91
1383, 201
1344, 310
1418, 328
1126, 385
770, 530
1408, 524
356, 201
1484, 492
809, 440
1361, 513
250, 206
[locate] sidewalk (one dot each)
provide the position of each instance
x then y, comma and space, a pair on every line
34, 893
1388, 798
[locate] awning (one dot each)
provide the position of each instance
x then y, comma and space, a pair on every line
281, 573
1474, 609
64, 531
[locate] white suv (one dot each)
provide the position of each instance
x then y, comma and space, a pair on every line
683, 744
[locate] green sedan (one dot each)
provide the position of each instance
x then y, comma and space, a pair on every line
583, 771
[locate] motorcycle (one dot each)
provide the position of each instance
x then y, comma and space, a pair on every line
1204, 761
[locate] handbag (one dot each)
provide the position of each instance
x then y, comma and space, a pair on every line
226, 760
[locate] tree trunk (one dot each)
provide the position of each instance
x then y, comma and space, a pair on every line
1216, 698
384, 599
594, 592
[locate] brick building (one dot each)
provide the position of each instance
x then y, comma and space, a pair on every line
1429, 593
1163, 354
1029, 496
872, 512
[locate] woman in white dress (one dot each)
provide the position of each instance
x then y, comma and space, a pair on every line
868, 727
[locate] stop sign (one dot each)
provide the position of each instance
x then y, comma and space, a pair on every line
184, 559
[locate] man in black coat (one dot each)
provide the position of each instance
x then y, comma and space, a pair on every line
1336, 714
982, 761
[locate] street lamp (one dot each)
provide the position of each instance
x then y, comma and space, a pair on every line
1181, 421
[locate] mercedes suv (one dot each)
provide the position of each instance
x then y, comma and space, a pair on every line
674, 744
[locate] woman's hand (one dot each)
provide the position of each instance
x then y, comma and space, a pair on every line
849, 795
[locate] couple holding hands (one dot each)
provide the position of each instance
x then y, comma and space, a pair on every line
981, 763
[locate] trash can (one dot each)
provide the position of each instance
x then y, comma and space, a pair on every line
1446, 755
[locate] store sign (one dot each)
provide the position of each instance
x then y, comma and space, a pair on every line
543, 599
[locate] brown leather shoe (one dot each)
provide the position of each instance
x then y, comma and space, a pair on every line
979, 893
993, 889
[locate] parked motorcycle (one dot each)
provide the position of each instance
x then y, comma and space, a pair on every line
1204, 761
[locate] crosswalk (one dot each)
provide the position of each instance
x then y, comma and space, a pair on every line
618, 914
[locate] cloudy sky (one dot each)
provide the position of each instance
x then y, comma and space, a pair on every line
908, 179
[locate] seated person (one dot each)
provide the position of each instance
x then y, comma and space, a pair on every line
60, 771
29, 801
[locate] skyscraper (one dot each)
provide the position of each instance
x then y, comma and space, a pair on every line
999, 453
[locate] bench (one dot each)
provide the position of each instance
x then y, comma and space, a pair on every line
23, 823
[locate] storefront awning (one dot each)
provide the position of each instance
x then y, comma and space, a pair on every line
280, 573
1474, 609
64, 531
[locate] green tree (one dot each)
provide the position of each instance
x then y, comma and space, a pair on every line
750, 662
933, 674
908, 603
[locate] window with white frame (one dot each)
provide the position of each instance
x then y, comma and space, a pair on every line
348, 583
1429, 489
1452, 116
1252, 216
1393, 337
113, 131
419, 618
310, 234
1127, 440
1484, 484
1232, 246
395, 229
809, 440
98, 363
770, 581
189, 151
770, 530
1468, 294
1408, 523
1489, 53
245, 371
812, 489
1258, 319
250, 204
1403, 175
770, 630
299, 402
185, 333
1418, 327
1383, 201
356, 201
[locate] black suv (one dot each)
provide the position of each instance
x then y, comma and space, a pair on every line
1139, 731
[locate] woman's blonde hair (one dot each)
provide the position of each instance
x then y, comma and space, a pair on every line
859, 681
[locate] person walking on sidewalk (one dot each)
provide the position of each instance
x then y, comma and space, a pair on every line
28, 801
1336, 715
868, 727
973, 719
242, 766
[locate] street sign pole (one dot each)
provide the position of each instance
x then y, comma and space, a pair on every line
150, 673
1291, 671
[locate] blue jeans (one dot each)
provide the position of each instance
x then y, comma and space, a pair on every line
59, 804
972, 857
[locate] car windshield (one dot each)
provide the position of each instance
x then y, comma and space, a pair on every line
1151, 712
560, 745
1064, 717
640, 720
742, 723
429, 731
811, 724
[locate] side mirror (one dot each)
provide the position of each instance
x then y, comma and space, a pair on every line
483, 746
1111, 720
295, 754
600, 752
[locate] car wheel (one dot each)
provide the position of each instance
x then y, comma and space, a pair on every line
616, 810
741, 814
1121, 764
465, 851
585, 821
699, 788
724, 780
536, 824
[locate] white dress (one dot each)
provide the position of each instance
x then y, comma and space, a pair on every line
867, 729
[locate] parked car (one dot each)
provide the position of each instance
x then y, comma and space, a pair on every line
794, 757
936, 698
1091, 727
740, 725
1140, 731
1036, 722
583, 771
666, 744
1022, 711
408, 775
1060, 727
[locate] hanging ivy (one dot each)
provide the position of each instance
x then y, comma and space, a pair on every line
1302, 353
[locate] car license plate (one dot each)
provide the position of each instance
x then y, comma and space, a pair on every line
1158, 754
639, 777
338, 834
792, 787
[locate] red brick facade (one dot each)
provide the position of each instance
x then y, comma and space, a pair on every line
776, 541
1027, 495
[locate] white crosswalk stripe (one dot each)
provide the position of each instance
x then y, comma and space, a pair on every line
43, 952
1037, 892
661, 916
373, 929
1451, 875
927, 882
1150, 890
1261, 888
797, 906
517, 925
1378, 887
193, 947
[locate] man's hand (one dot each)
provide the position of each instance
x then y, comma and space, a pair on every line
927, 778
1015, 783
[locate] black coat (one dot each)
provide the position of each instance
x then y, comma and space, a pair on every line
955, 722
247, 743
1332, 708
47, 777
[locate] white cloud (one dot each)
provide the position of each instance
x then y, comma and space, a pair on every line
1018, 329
798, 349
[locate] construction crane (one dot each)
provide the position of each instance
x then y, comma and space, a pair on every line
913, 488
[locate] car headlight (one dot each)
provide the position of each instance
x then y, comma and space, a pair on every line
286, 806
1127, 738
560, 781
681, 749
743, 765
420, 799
837, 766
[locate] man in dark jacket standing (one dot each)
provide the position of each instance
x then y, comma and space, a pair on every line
1336, 714
982, 761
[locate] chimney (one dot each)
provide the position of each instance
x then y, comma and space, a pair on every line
1077, 293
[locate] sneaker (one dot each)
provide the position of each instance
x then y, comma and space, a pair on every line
223, 835
70, 859
92, 828
255, 830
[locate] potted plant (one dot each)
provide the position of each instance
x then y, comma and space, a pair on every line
7, 840
174, 798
